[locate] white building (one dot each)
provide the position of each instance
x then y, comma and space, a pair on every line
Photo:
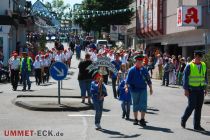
13, 25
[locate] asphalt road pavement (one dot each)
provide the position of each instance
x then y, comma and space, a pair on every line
165, 108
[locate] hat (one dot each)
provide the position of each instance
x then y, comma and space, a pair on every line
24, 52
96, 74
139, 57
199, 52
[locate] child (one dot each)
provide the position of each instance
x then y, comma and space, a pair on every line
98, 92
125, 97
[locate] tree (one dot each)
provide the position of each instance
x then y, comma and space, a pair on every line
58, 7
99, 23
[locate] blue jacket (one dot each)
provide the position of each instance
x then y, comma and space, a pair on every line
185, 79
94, 90
117, 66
137, 79
123, 95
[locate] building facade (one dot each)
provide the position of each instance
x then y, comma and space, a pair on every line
159, 27
13, 23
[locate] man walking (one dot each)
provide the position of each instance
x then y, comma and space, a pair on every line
25, 70
194, 84
14, 64
137, 79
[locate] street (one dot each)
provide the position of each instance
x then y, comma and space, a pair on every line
165, 108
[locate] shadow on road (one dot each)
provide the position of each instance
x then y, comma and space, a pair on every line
152, 109
154, 128
67, 89
207, 133
118, 134
152, 113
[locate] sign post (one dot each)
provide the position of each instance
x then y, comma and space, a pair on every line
58, 71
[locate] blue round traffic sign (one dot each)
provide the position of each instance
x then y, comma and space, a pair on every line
58, 71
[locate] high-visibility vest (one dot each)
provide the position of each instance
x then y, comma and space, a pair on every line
197, 77
28, 62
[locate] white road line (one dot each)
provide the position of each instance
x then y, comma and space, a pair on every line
85, 128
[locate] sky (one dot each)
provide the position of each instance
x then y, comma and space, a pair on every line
71, 2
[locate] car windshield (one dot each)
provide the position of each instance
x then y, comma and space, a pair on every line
102, 42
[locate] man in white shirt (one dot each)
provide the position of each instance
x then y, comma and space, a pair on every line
37, 67
14, 64
58, 57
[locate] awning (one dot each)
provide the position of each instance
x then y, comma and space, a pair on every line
7, 20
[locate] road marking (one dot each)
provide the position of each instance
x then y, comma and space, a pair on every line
84, 115
84, 133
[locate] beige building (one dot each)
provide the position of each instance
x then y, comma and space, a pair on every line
171, 38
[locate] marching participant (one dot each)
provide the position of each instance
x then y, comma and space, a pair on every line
98, 92
14, 64
46, 67
137, 80
25, 70
195, 87
37, 67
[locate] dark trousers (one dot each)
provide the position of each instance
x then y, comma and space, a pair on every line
105, 79
38, 76
14, 78
166, 78
114, 87
46, 74
25, 79
195, 102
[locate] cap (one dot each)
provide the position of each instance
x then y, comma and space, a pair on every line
139, 57
199, 52
24, 52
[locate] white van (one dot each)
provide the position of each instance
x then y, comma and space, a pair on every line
101, 42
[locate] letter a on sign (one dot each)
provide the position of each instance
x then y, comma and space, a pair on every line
191, 16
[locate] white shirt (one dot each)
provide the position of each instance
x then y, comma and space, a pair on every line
58, 58
46, 63
37, 64
111, 57
65, 57
94, 57
70, 53
124, 59
15, 64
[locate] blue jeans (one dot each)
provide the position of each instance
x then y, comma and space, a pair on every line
195, 102
25, 78
125, 105
98, 105
85, 87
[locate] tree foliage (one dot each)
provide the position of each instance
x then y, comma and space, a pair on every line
58, 7
99, 23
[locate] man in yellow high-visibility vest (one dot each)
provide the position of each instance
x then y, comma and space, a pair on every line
194, 84
25, 70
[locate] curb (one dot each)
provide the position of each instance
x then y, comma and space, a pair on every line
34, 96
61, 107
